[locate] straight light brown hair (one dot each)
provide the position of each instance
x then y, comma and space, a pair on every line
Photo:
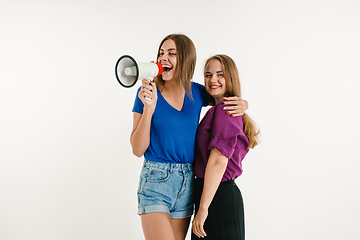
233, 88
186, 60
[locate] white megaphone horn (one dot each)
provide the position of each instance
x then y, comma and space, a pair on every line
128, 71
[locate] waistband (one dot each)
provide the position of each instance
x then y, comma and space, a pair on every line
171, 166
225, 183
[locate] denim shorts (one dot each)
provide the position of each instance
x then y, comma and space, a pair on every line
166, 187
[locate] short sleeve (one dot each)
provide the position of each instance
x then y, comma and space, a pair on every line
138, 104
226, 132
204, 96
202, 93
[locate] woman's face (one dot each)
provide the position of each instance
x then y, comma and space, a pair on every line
167, 58
214, 80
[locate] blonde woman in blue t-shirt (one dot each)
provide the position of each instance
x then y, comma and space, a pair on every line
164, 130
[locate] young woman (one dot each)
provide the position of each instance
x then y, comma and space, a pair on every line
164, 131
221, 144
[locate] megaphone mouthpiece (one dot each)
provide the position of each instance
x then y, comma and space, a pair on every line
160, 69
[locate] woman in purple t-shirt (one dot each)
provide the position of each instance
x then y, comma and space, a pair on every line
221, 144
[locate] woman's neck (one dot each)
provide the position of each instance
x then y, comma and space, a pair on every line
173, 87
218, 99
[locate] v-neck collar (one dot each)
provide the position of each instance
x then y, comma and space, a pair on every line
160, 94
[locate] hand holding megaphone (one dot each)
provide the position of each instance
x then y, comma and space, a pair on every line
128, 71
148, 92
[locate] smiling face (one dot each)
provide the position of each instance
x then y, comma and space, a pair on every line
167, 58
214, 80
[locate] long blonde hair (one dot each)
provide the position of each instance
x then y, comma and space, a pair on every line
186, 60
233, 88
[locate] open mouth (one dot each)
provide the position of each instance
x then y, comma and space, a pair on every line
166, 69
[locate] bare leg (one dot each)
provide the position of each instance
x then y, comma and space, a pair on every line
180, 227
157, 226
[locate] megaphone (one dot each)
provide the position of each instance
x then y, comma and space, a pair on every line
128, 71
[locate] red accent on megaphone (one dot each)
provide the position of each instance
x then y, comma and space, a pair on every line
160, 69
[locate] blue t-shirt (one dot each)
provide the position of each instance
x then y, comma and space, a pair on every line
172, 132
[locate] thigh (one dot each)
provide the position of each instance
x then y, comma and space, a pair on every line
157, 226
180, 227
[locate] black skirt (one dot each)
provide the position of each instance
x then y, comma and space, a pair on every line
225, 219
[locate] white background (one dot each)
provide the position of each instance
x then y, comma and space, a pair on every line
67, 170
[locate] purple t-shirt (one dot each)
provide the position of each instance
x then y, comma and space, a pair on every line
225, 133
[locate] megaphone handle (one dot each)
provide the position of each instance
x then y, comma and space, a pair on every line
150, 79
